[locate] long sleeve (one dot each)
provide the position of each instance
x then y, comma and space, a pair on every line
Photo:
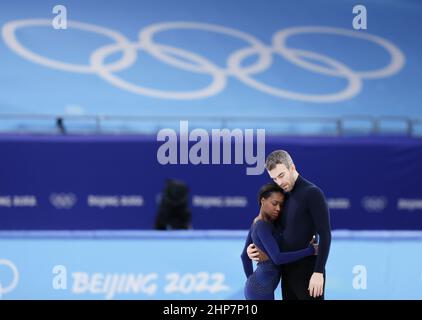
247, 263
271, 247
321, 217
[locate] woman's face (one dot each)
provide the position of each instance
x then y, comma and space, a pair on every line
271, 207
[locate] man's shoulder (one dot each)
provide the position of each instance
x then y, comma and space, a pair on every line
311, 189
307, 186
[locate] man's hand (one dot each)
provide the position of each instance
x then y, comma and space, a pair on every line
255, 254
316, 284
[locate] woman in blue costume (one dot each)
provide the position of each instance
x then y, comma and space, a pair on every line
262, 282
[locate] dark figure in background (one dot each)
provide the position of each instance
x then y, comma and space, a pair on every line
173, 212
60, 125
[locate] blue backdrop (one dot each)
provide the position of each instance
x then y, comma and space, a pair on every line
114, 182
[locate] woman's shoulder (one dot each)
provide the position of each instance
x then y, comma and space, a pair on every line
258, 222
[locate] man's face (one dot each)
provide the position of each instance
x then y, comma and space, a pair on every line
283, 177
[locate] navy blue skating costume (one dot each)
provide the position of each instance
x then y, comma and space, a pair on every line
260, 285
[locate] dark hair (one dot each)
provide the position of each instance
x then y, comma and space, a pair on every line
267, 190
278, 157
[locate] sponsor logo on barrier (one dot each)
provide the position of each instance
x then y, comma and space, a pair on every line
63, 200
200, 152
18, 201
115, 201
193, 62
11, 285
219, 201
111, 284
374, 204
409, 204
338, 203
